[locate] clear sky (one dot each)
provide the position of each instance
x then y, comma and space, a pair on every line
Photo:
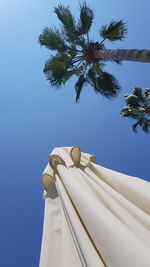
34, 118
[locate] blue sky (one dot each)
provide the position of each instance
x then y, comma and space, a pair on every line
34, 118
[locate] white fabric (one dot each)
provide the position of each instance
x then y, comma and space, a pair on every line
93, 216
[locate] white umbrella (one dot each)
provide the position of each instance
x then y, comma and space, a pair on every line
93, 216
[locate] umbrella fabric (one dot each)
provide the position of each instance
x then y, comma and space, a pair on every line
93, 216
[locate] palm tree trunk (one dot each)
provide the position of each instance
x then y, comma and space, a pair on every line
123, 54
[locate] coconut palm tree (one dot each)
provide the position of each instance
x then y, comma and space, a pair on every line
76, 54
138, 108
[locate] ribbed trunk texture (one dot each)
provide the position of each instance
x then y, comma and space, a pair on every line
124, 54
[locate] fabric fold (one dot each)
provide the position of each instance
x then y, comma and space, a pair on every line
102, 215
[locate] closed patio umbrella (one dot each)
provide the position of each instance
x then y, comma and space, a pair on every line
93, 216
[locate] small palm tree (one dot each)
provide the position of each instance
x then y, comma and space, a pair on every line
138, 108
76, 54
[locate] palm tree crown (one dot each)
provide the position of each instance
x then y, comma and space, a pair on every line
138, 108
75, 51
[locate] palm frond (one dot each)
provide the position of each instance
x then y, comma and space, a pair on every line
79, 86
98, 67
138, 92
131, 100
67, 75
107, 85
126, 112
91, 75
134, 127
145, 127
68, 22
116, 30
86, 19
54, 71
51, 38
57, 70
81, 41
79, 69
72, 51
138, 109
147, 93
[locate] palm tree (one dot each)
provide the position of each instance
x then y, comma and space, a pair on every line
138, 108
76, 54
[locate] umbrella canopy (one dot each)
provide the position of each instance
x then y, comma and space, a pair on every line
93, 216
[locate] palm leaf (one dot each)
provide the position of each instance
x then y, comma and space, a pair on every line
67, 75
147, 93
54, 71
145, 127
92, 77
81, 41
72, 51
51, 38
86, 19
107, 85
134, 127
79, 86
57, 70
138, 92
126, 112
131, 100
116, 30
94, 72
98, 67
137, 103
68, 22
